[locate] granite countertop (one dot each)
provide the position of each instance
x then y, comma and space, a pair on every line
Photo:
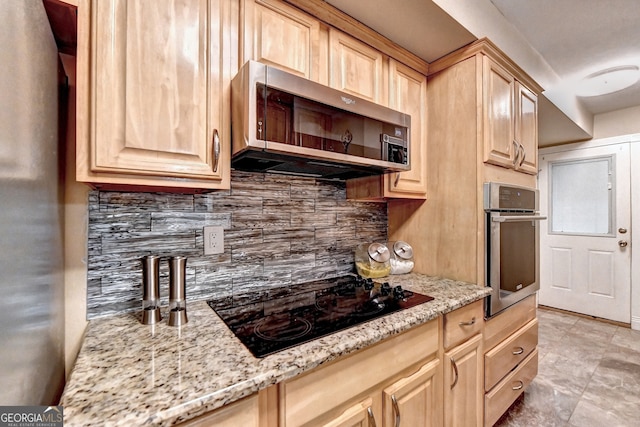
133, 374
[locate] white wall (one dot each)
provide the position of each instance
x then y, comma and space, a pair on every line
635, 219
483, 19
616, 123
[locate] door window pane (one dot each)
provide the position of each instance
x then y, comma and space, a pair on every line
581, 196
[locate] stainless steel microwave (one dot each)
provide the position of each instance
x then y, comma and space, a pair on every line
283, 123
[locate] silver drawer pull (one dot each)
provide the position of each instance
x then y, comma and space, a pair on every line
516, 152
518, 218
216, 150
519, 386
372, 419
518, 351
469, 323
396, 409
455, 372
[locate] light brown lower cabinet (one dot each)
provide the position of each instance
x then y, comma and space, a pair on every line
511, 357
398, 377
414, 400
359, 414
463, 379
498, 400
245, 413
408, 380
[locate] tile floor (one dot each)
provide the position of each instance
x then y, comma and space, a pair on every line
588, 375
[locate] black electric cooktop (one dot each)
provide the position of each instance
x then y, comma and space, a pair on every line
315, 309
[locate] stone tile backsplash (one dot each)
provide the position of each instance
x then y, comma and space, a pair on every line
278, 231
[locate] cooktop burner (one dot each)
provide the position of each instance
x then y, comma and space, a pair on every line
315, 309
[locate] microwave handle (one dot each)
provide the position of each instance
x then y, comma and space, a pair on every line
518, 218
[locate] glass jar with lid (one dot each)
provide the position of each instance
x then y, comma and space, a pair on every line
372, 260
401, 258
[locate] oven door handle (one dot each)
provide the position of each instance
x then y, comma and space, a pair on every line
518, 218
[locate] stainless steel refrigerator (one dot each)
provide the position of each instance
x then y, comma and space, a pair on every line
31, 209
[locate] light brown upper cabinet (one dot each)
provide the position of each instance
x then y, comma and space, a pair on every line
498, 114
159, 94
510, 120
407, 93
356, 68
312, 39
281, 35
526, 131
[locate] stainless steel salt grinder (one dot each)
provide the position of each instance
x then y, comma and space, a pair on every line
177, 291
151, 290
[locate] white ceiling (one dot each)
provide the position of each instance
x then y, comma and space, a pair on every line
580, 37
573, 38
419, 26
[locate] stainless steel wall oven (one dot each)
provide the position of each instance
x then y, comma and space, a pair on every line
512, 251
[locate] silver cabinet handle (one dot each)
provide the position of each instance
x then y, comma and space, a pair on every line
395, 183
622, 230
216, 150
524, 154
519, 386
518, 351
372, 419
516, 153
396, 409
469, 323
623, 243
455, 372
518, 218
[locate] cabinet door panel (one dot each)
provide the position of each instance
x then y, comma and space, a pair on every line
463, 388
245, 413
355, 67
408, 90
526, 130
280, 35
150, 93
309, 396
417, 398
354, 416
498, 114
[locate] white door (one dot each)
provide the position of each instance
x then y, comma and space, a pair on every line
585, 244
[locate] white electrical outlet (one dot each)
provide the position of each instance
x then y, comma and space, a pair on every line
213, 240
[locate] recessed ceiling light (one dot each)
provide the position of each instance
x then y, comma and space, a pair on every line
609, 80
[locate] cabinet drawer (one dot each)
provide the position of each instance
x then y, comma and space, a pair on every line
501, 326
498, 400
506, 355
329, 388
463, 323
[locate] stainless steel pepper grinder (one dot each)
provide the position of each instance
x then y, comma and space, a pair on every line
177, 291
151, 290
